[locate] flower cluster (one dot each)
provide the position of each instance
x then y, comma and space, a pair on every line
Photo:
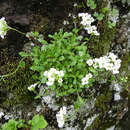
87, 19
108, 62
53, 75
85, 80
60, 116
3, 27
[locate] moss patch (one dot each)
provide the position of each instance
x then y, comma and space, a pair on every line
14, 88
103, 100
99, 46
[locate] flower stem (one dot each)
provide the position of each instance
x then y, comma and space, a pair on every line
17, 30
12, 73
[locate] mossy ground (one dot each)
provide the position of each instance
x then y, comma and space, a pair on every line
15, 86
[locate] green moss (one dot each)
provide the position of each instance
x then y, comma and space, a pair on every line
124, 68
103, 100
14, 88
99, 46
102, 106
101, 123
125, 61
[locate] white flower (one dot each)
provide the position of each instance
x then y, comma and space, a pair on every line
53, 75
94, 28
60, 120
75, 4
118, 62
46, 73
112, 56
84, 81
89, 75
115, 71
49, 83
60, 73
50, 75
109, 66
89, 29
3, 27
89, 62
63, 109
69, 15
95, 65
1, 114
108, 62
96, 33
60, 116
60, 80
86, 19
53, 70
65, 22
32, 87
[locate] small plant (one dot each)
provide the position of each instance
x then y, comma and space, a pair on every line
111, 24
112, 18
91, 4
79, 103
98, 16
62, 63
14, 125
38, 122
87, 3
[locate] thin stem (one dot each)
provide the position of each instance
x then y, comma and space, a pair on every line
17, 30
10, 74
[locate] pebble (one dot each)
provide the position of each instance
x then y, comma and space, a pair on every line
117, 97
90, 121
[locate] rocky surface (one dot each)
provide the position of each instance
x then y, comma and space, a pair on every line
106, 108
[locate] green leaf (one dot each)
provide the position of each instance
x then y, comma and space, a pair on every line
23, 54
76, 105
80, 100
21, 124
22, 64
38, 122
35, 34
95, 14
42, 41
91, 4
80, 38
91, 69
66, 34
35, 76
38, 96
99, 16
114, 12
10, 125
111, 24
106, 9
53, 87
